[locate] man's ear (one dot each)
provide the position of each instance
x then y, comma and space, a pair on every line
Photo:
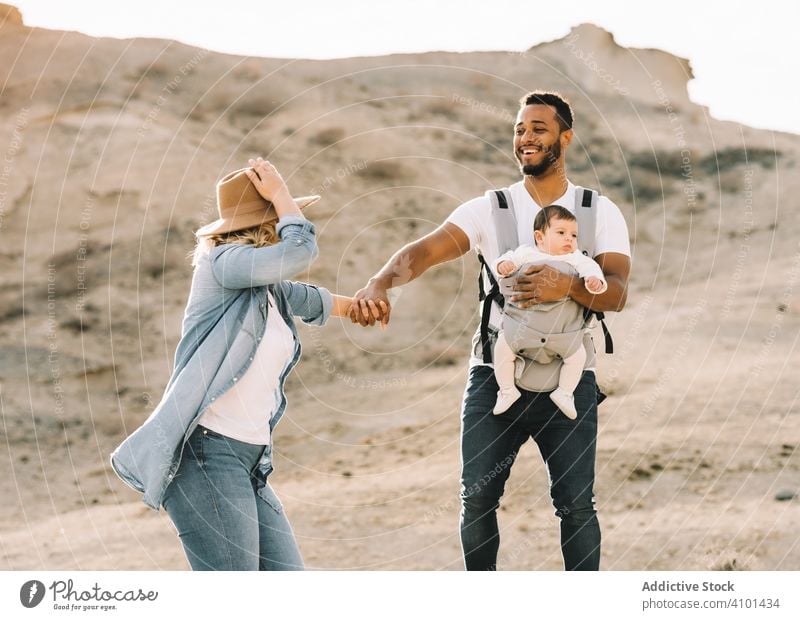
566, 138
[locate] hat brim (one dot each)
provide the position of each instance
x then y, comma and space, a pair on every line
241, 222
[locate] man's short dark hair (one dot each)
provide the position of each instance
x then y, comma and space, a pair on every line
552, 98
554, 212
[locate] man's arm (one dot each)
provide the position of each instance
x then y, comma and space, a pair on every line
542, 283
446, 243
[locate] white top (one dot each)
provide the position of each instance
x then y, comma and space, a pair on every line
585, 266
474, 217
244, 411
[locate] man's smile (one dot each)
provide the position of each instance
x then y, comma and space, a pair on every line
530, 150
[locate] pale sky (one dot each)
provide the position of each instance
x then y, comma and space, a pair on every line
743, 53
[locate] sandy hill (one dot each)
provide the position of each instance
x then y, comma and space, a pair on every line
111, 149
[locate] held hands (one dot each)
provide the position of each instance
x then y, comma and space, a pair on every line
370, 305
594, 285
266, 179
506, 267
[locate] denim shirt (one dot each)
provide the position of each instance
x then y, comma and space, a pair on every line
224, 322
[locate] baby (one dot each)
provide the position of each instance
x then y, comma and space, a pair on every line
556, 234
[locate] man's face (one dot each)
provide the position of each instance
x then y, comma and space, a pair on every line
537, 139
561, 237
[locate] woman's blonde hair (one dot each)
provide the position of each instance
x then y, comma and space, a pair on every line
257, 236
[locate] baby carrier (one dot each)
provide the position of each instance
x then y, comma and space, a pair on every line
562, 324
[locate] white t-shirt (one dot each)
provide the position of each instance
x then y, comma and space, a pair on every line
474, 217
244, 411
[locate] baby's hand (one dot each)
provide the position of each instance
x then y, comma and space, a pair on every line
506, 267
594, 285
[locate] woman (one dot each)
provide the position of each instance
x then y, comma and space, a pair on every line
205, 451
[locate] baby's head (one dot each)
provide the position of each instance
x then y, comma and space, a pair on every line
555, 230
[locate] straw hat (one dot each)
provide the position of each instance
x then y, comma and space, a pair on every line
241, 206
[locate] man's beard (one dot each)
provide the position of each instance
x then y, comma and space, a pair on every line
551, 156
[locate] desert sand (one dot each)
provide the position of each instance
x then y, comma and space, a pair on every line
110, 152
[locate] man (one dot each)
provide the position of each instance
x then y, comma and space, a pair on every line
489, 443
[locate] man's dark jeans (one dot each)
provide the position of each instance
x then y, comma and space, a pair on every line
489, 445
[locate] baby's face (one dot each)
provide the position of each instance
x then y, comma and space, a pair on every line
561, 237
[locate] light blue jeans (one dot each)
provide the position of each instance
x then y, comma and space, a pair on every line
222, 522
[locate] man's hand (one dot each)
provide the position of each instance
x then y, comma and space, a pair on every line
540, 283
370, 305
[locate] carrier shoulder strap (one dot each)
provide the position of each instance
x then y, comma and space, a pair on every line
505, 220
505, 223
586, 213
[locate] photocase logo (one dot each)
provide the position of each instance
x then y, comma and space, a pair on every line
31, 593
67, 597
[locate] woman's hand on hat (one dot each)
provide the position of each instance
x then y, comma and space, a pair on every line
266, 179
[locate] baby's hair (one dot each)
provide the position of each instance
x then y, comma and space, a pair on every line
548, 214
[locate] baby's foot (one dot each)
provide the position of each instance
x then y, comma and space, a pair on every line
565, 401
506, 398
